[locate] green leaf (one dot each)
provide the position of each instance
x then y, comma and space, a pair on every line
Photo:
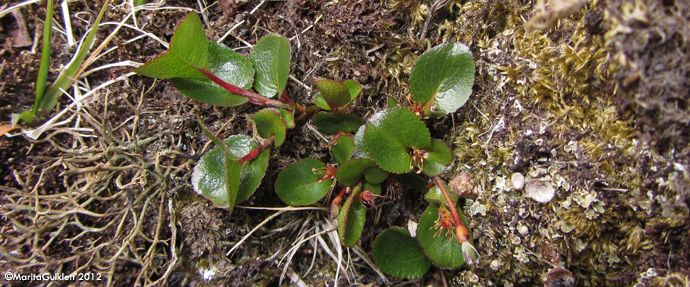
435, 195
400, 255
188, 49
288, 118
209, 177
268, 122
353, 88
375, 175
442, 78
442, 248
321, 102
352, 171
47, 101
361, 149
392, 102
271, 59
28, 115
439, 156
335, 93
227, 65
343, 149
351, 219
391, 134
334, 123
251, 175
302, 183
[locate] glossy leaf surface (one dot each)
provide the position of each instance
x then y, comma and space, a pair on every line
210, 173
302, 183
227, 65
271, 59
400, 255
442, 78
391, 134
360, 147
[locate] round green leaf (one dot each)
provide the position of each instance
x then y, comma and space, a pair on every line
302, 184
271, 59
209, 175
343, 149
443, 249
334, 123
227, 65
351, 172
335, 93
188, 48
391, 134
268, 122
438, 157
442, 78
400, 255
435, 195
351, 220
251, 175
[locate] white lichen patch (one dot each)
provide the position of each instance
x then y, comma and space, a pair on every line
540, 190
588, 200
478, 208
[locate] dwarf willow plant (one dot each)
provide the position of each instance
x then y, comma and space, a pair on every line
390, 146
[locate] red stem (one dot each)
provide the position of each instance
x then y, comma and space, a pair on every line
254, 98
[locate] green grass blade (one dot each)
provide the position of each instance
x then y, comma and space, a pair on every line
45, 58
64, 80
28, 115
